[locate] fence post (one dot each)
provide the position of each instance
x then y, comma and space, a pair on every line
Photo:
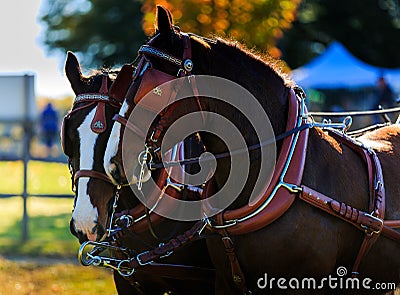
26, 156
25, 234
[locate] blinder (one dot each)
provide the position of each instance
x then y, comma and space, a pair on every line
156, 91
64, 143
152, 83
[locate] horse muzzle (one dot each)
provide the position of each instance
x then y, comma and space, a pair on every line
97, 233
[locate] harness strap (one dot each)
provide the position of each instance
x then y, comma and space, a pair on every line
129, 125
377, 194
92, 174
237, 273
360, 219
168, 248
173, 271
99, 123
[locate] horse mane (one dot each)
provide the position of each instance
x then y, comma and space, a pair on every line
260, 74
261, 60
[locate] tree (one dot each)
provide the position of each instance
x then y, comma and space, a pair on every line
108, 32
257, 23
369, 29
104, 32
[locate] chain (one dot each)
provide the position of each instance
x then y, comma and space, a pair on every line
110, 229
143, 158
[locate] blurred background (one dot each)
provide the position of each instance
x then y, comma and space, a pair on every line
345, 54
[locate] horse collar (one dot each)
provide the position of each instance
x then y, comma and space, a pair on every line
285, 181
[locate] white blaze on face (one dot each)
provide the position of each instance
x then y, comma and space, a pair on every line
85, 214
113, 143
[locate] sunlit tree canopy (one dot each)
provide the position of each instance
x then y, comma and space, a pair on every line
105, 32
257, 23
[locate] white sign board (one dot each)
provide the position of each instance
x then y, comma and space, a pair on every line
17, 98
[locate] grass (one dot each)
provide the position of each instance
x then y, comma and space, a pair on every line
21, 263
59, 278
43, 178
47, 227
48, 224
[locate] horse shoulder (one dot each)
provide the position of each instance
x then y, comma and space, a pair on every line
383, 140
386, 142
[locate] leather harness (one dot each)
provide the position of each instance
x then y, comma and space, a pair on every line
98, 125
137, 222
286, 182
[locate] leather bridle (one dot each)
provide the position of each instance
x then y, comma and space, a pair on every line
185, 67
286, 184
98, 125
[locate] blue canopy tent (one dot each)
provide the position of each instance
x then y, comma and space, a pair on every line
338, 68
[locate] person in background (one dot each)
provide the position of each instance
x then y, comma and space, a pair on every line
384, 99
49, 125
384, 95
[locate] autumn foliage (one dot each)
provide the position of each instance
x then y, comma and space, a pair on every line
257, 23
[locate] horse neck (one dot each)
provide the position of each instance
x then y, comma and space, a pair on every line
258, 77
270, 90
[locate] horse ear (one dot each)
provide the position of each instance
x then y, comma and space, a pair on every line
163, 23
73, 71
121, 84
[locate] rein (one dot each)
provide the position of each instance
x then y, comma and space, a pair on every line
355, 113
152, 165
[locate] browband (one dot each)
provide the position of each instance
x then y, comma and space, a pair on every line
147, 49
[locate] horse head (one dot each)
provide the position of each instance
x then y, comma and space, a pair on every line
171, 65
152, 72
85, 132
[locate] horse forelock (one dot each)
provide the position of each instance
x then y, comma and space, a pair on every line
92, 82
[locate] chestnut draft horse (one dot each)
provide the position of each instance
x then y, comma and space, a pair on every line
331, 205
85, 131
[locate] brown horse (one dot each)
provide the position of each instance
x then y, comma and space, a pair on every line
301, 241
85, 133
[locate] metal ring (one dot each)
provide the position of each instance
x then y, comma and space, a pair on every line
126, 273
188, 65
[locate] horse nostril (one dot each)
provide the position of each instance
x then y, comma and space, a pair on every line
77, 233
115, 173
92, 236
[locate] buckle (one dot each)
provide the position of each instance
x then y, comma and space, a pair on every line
139, 260
369, 229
